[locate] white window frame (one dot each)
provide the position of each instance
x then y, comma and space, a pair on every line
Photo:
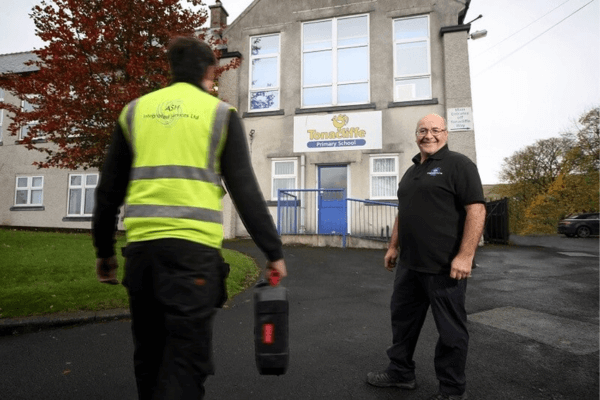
426, 39
334, 60
373, 174
276, 88
29, 188
29, 125
273, 176
2, 94
82, 188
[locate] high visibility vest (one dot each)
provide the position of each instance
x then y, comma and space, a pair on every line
177, 136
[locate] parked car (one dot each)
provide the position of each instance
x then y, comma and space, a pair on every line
582, 225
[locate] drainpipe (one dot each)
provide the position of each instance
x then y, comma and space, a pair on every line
302, 194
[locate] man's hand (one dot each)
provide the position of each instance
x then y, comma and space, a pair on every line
106, 270
389, 261
460, 268
278, 266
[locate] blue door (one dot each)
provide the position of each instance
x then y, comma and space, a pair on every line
333, 183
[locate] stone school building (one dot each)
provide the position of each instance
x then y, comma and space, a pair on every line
329, 92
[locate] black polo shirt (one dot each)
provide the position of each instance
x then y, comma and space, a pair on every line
431, 209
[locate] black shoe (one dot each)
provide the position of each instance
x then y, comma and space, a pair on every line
382, 379
443, 396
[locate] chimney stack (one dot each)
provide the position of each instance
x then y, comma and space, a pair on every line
218, 15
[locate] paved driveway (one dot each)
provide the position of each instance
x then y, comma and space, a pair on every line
533, 319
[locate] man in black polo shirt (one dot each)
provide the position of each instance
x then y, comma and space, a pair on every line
441, 214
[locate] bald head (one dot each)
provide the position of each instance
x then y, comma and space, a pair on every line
431, 135
433, 118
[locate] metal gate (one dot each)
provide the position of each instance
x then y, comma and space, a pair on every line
496, 221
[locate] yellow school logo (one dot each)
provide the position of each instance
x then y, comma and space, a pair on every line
340, 120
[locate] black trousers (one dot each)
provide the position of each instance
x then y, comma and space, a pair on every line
174, 286
413, 293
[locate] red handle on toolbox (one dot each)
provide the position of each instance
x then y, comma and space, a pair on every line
274, 277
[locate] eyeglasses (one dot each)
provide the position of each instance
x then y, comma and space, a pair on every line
435, 132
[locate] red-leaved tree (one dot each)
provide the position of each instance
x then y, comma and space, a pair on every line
99, 55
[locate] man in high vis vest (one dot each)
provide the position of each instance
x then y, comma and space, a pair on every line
169, 151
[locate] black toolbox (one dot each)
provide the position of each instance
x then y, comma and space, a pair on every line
271, 333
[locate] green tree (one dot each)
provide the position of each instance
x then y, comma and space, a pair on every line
100, 54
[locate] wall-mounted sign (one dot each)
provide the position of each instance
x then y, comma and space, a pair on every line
338, 132
460, 119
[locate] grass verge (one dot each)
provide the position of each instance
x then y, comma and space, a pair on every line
50, 272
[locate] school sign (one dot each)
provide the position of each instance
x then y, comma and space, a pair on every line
338, 132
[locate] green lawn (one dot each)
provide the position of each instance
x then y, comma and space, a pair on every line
49, 272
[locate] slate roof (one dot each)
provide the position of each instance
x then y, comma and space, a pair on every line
14, 62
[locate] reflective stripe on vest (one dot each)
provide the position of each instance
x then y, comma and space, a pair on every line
196, 213
175, 171
129, 118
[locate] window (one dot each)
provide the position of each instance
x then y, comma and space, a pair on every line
335, 62
1, 114
384, 177
29, 191
283, 175
81, 194
412, 65
264, 73
24, 132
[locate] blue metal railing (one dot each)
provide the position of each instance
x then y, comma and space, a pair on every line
329, 211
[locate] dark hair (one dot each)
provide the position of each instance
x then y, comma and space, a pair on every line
189, 59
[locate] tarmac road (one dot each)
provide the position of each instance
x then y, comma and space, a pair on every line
533, 320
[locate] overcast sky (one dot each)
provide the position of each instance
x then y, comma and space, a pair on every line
531, 77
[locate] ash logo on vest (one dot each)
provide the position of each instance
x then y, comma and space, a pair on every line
435, 171
169, 112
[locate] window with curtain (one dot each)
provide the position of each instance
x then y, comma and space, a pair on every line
384, 177
283, 176
264, 73
335, 61
29, 191
27, 107
82, 188
412, 64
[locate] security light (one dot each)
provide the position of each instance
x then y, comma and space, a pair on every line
478, 34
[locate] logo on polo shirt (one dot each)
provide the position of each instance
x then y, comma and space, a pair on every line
435, 171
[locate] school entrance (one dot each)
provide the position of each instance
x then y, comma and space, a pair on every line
332, 203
